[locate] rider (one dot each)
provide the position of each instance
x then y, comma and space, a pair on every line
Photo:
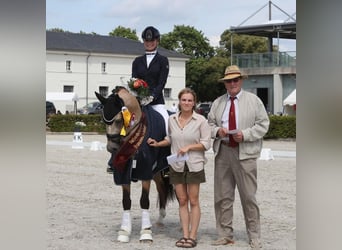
153, 68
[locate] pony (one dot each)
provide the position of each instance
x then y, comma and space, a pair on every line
128, 126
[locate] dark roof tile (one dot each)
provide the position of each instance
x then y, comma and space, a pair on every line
67, 41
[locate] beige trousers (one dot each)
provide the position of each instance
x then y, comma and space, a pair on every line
229, 173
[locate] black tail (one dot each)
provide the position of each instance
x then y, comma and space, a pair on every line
166, 192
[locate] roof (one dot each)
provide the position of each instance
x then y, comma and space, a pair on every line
285, 30
67, 41
291, 99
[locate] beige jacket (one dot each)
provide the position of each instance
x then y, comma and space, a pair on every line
253, 122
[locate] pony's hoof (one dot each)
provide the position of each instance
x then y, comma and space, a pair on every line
123, 236
146, 236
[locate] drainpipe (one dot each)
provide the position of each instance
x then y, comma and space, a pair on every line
231, 49
87, 77
270, 10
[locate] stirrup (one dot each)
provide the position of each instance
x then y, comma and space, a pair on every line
109, 170
166, 173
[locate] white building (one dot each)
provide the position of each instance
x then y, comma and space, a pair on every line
85, 63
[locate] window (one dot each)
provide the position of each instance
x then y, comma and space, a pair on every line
68, 88
68, 65
103, 90
167, 92
103, 67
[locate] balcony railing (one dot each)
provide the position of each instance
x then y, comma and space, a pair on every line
270, 59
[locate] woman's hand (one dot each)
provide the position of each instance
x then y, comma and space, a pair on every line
152, 142
183, 150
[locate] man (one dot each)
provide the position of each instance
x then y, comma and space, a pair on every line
238, 121
174, 108
153, 68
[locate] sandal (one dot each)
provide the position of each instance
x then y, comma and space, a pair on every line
190, 243
181, 242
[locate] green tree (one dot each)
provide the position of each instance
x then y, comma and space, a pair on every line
202, 76
124, 32
242, 44
187, 40
91, 33
61, 30
56, 30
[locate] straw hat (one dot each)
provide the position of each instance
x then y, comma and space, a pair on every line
232, 72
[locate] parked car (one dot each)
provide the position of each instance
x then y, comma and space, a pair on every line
91, 109
203, 108
50, 109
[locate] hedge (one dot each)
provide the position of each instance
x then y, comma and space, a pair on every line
80, 123
280, 126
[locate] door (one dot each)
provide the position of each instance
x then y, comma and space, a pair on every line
262, 93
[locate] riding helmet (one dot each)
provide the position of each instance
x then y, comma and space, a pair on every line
150, 33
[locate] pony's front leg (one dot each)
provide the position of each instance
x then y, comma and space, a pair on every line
126, 222
146, 225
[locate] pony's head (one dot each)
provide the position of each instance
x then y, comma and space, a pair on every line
121, 112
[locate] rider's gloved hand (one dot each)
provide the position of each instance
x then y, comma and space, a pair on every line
146, 100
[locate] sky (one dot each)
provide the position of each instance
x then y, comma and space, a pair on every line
211, 17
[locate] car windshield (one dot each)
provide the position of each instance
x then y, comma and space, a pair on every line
203, 105
90, 105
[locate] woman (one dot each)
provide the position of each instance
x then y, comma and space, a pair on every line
153, 68
189, 133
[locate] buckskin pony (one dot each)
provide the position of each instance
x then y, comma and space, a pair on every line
128, 126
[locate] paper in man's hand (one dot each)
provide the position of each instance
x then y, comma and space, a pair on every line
233, 132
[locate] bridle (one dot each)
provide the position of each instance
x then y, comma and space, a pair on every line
107, 121
115, 138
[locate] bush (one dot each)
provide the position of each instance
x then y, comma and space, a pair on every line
79, 123
280, 126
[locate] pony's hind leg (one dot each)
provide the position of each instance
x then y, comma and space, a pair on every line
162, 215
162, 199
126, 222
165, 194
